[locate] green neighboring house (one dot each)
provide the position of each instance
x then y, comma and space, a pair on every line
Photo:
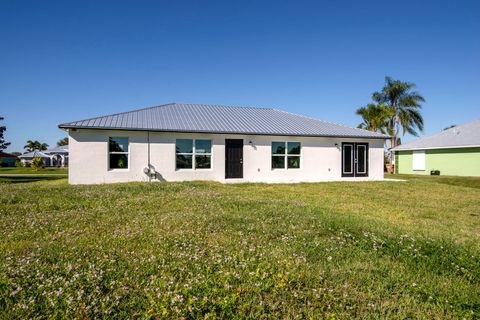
453, 152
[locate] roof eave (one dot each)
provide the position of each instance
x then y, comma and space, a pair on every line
437, 147
66, 126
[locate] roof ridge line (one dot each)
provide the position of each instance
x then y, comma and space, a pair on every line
225, 106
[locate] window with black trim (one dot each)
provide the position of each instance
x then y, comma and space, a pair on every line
118, 153
192, 153
286, 155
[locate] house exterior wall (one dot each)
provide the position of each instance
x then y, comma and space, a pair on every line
7, 161
320, 158
450, 162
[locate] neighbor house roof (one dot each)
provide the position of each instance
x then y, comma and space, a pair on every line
179, 117
465, 135
45, 153
7, 155
34, 154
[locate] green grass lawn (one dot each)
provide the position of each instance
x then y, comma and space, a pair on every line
206, 250
471, 182
28, 170
26, 174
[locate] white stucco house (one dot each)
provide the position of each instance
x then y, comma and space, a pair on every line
179, 142
53, 157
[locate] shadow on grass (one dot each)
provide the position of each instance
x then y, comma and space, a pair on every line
25, 179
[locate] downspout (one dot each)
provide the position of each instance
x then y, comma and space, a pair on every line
148, 153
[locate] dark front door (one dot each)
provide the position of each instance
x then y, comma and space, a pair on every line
354, 159
233, 158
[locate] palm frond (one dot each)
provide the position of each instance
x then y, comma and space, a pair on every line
378, 97
416, 119
404, 104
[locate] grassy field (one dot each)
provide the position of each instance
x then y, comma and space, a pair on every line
206, 250
471, 182
26, 174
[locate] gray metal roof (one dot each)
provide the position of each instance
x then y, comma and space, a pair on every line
179, 117
465, 135
34, 154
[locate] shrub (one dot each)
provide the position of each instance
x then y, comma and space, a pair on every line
18, 163
37, 163
27, 164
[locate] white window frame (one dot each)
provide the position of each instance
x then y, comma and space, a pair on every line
193, 154
418, 160
118, 152
285, 156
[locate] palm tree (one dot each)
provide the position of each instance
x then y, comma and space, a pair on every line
404, 102
62, 142
35, 145
375, 117
30, 146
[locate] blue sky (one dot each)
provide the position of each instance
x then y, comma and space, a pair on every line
65, 60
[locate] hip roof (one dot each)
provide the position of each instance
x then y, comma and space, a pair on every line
465, 135
180, 117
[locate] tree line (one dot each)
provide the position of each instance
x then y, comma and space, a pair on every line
37, 145
31, 145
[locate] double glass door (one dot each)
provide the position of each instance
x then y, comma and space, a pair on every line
354, 159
